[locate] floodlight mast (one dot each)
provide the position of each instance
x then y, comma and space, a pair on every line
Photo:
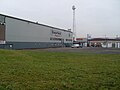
74, 25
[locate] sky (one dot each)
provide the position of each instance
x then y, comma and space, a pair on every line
99, 18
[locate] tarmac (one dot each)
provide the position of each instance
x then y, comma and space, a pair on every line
97, 50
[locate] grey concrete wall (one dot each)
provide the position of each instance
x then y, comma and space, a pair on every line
28, 45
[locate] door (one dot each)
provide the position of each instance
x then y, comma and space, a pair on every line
62, 42
2, 32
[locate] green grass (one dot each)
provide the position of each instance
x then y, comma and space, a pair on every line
39, 70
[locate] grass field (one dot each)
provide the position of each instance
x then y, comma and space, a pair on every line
42, 70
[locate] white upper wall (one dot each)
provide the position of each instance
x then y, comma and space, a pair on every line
23, 31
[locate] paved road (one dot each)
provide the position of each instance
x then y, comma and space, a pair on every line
86, 50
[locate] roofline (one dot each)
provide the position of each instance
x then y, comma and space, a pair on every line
103, 39
35, 23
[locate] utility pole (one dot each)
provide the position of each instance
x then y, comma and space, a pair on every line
117, 41
74, 25
88, 38
106, 41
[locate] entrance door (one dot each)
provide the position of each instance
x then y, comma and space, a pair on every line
62, 42
2, 32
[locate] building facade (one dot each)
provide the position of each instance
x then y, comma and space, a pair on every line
99, 42
18, 33
82, 41
105, 42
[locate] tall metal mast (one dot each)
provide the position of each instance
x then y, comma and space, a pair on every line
74, 25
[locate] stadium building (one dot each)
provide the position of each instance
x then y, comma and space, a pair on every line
16, 33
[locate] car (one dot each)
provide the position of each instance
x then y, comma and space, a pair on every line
76, 46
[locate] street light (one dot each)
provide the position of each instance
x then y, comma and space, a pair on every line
106, 41
74, 31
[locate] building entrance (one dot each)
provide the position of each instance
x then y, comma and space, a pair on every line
2, 33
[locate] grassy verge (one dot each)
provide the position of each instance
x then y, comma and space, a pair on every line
35, 70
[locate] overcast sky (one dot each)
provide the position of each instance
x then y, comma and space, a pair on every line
95, 17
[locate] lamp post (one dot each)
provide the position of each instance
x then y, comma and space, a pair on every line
106, 41
74, 26
88, 42
117, 41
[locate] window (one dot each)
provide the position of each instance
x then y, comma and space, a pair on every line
2, 19
56, 39
69, 40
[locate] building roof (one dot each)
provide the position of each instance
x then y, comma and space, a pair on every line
103, 39
81, 38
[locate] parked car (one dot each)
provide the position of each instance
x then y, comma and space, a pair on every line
76, 46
